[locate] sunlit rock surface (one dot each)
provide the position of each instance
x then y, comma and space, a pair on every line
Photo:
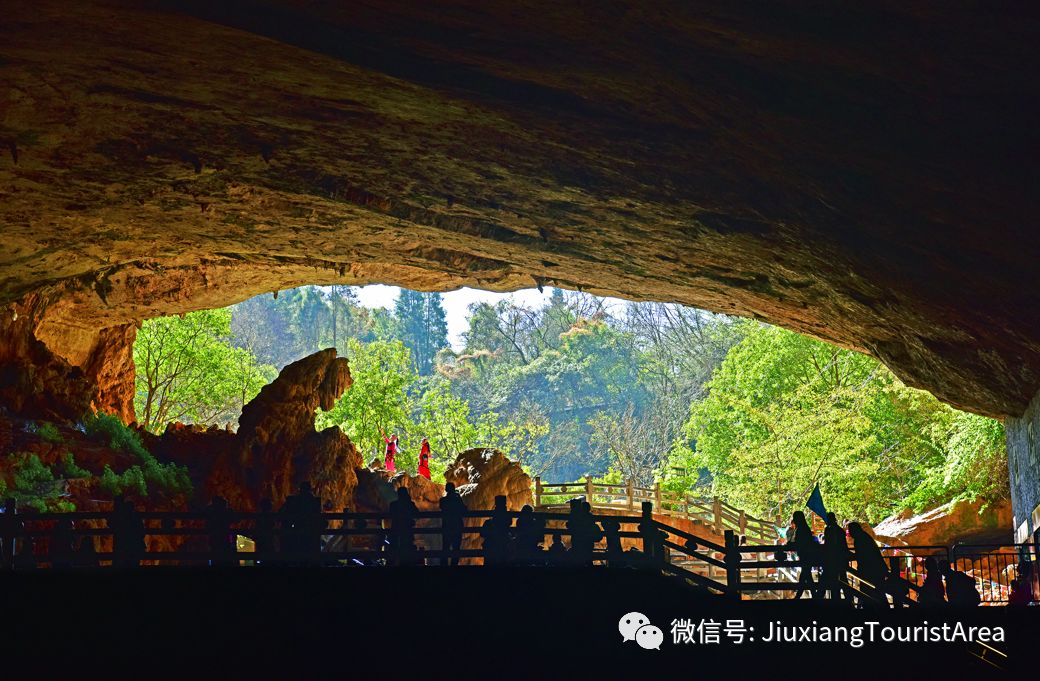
481, 474
958, 522
862, 173
276, 447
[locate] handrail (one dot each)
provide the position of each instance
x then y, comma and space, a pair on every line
714, 512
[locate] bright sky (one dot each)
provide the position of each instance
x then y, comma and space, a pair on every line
456, 303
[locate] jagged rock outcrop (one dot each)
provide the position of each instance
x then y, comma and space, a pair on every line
860, 173
276, 447
481, 474
957, 522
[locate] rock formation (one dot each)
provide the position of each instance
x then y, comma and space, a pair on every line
482, 474
276, 447
377, 488
864, 174
958, 522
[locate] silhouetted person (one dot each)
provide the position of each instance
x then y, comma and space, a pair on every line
452, 510
809, 553
25, 558
495, 533
263, 532
529, 533
932, 591
870, 564
1021, 593
961, 590
302, 525
611, 532
584, 533
60, 544
402, 526
128, 534
895, 586
218, 529
780, 555
86, 556
835, 558
653, 538
556, 554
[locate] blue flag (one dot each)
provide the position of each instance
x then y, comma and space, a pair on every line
815, 503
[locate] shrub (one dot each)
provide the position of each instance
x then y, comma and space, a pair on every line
148, 471
49, 432
120, 436
69, 468
35, 486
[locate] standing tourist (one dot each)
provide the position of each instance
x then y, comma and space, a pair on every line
424, 459
391, 451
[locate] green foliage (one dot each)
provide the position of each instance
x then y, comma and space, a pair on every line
658, 392
70, 470
119, 436
422, 326
169, 478
379, 398
975, 466
49, 432
784, 412
187, 370
130, 481
34, 485
389, 396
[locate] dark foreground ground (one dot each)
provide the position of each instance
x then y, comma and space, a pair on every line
419, 623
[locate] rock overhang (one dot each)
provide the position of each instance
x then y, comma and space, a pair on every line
861, 175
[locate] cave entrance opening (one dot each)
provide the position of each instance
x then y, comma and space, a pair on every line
577, 386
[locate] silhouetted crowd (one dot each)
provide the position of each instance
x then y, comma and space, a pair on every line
298, 534
824, 569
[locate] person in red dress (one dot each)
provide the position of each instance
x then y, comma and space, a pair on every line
391, 451
424, 459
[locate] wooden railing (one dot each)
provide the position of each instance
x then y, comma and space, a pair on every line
714, 513
102, 539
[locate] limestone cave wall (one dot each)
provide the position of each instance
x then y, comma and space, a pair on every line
1023, 445
861, 173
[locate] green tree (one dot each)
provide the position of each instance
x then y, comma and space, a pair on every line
422, 326
379, 398
188, 371
785, 412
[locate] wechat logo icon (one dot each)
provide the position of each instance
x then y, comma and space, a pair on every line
635, 626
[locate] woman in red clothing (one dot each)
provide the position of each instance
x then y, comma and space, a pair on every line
391, 451
424, 459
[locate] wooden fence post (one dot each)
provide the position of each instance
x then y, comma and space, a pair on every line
537, 491
716, 509
657, 497
8, 523
630, 492
743, 522
588, 489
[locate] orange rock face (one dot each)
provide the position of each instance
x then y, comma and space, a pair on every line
949, 524
482, 474
276, 447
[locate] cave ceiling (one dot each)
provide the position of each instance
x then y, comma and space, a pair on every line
862, 173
